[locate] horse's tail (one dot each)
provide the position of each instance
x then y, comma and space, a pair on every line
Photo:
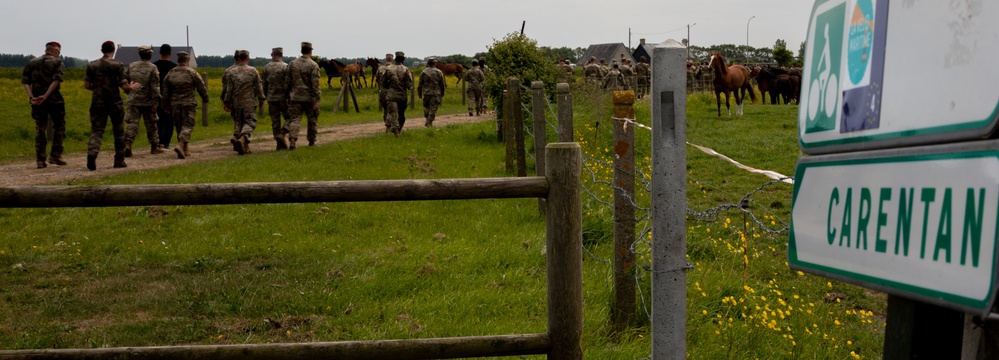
466, 67
752, 93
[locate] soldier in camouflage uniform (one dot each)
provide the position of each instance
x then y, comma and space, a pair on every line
591, 70
431, 90
473, 79
104, 77
276, 92
242, 95
567, 73
381, 92
303, 95
614, 80
142, 102
178, 100
643, 74
628, 74
485, 73
42, 77
604, 69
395, 81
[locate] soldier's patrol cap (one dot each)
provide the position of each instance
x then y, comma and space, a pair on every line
400, 54
145, 48
277, 50
182, 56
53, 44
242, 53
306, 44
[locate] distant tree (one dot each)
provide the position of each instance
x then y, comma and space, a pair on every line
456, 59
801, 53
518, 56
783, 56
780, 43
560, 53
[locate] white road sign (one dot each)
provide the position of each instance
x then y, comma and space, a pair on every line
881, 73
919, 222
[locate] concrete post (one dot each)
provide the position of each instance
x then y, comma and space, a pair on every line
669, 201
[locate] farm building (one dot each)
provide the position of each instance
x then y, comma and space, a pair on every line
643, 49
609, 52
130, 54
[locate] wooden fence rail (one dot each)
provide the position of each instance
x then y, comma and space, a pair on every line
563, 216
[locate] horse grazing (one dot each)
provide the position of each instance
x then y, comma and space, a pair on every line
733, 79
350, 72
452, 69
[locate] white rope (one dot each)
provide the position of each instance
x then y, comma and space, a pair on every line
770, 174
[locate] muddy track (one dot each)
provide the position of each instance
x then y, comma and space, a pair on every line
26, 173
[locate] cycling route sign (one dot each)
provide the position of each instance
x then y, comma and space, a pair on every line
881, 74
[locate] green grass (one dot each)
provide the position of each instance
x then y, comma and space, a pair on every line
139, 276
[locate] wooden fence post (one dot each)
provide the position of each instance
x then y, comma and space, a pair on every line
508, 130
669, 202
540, 132
917, 330
624, 209
564, 233
517, 116
565, 131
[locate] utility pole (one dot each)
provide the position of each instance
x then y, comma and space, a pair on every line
688, 39
747, 38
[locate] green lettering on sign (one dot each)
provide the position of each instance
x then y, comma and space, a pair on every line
972, 226
944, 228
881, 245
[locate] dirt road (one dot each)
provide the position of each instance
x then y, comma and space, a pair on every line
26, 173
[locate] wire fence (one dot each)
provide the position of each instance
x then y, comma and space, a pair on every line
598, 186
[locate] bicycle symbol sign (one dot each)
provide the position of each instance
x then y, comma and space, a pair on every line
824, 62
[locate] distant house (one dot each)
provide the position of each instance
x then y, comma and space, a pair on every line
643, 49
130, 54
609, 52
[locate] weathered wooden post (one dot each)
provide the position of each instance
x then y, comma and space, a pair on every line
517, 118
540, 131
564, 101
508, 130
669, 202
564, 232
339, 97
624, 209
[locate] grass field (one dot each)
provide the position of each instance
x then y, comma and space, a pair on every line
139, 276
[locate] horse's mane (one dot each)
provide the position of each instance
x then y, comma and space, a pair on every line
337, 62
722, 68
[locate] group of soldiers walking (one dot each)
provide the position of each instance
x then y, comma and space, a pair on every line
617, 76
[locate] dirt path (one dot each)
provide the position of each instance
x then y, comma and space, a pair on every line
26, 173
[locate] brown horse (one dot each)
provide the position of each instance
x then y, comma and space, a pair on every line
452, 69
374, 64
733, 79
355, 72
350, 72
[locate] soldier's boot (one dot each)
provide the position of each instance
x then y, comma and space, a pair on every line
179, 150
56, 161
156, 149
281, 143
119, 162
186, 152
291, 143
128, 149
235, 144
312, 143
41, 164
91, 162
244, 145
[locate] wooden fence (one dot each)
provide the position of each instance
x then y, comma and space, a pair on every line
560, 187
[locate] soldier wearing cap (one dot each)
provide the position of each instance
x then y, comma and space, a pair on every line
165, 123
485, 73
179, 87
627, 73
242, 95
143, 101
394, 82
614, 80
473, 80
276, 92
431, 90
42, 77
103, 78
591, 70
643, 73
303, 96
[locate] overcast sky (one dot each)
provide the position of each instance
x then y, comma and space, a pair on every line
372, 28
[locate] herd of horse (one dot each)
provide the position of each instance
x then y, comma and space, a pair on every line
354, 73
783, 85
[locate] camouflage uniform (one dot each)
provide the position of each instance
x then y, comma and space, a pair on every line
303, 94
276, 92
178, 96
474, 79
614, 80
567, 73
39, 74
592, 71
105, 76
628, 74
142, 103
382, 91
242, 91
395, 81
431, 89
642, 73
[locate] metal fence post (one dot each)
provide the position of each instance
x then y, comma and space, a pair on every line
564, 232
517, 117
624, 209
669, 201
